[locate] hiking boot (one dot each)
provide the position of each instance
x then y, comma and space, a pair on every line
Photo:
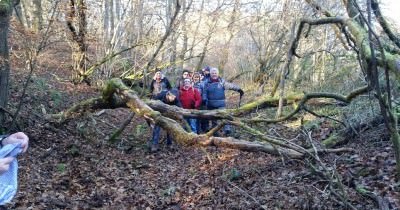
154, 148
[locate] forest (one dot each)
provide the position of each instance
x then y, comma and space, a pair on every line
314, 125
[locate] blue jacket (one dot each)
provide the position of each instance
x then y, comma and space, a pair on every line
214, 92
199, 86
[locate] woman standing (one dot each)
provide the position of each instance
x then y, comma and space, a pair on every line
159, 83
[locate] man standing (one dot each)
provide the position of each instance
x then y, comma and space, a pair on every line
179, 81
171, 98
205, 72
214, 94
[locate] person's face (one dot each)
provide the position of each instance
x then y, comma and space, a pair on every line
206, 72
196, 78
158, 75
185, 74
187, 83
214, 74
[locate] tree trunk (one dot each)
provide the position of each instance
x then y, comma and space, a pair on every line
174, 35
26, 13
112, 17
284, 73
77, 25
196, 32
5, 13
184, 33
207, 42
225, 50
38, 18
106, 22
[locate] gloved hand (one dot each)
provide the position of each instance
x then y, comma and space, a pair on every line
19, 137
241, 92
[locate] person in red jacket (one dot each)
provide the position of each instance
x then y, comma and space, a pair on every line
190, 98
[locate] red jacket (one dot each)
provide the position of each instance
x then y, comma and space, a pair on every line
190, 98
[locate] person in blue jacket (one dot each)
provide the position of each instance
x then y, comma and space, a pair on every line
170, 97
213, 94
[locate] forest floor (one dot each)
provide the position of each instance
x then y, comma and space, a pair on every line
73, 166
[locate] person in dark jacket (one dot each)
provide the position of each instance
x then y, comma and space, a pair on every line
198, 84
179, 81
205, 73
170, 97
159, 83
190, 98
214, 94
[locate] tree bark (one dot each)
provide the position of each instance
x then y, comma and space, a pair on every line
5, 13
76, 22
38, 18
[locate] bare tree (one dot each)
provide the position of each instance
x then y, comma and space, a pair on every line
77, 25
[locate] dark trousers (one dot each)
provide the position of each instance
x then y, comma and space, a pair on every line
156, 136
227, 128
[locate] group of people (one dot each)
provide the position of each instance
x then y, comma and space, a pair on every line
198, 90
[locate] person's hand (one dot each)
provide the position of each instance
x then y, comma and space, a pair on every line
19, 137
5, 164
241, 92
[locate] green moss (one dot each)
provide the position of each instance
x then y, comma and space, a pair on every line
5, 7
362, 190
331, 141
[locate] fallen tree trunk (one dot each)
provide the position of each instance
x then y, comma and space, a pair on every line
115, 86
117, 94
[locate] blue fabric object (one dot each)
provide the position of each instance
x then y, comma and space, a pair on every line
8, 180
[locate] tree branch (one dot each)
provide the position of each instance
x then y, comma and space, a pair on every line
385, 26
